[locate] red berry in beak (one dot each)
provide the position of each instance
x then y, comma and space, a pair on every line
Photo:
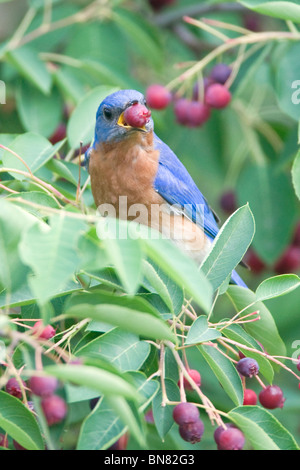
136, 115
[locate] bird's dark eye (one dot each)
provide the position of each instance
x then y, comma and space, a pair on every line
145, 102
107, 113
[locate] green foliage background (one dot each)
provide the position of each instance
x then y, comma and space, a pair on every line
59, 59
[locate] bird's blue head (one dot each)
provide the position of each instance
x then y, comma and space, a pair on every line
111, 125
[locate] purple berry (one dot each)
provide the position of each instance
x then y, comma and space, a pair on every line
43, 386
220, 73
192, 432
231, 438
247, 367
185, 413
54, 408
13, 387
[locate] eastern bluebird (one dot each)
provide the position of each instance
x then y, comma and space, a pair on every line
130, 162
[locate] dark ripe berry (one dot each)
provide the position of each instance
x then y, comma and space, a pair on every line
254, 262
191, 113
158, 96
3, 440
54, 408
59, 134
197, 114
241, 355
195, 375
181, 110
228, 202
247, 367
158, 4
185, 413
13, 387
192, 432
289, 261
296, 239
298, 363
217, 96
220, 429
121, 443
250, 397
18, 446
43, 386
93, 402
220, 73
149, 417
271, 397
137, 115
231, 438
44, 332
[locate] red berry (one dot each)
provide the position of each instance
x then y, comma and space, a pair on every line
228, 202
185, 413
198, 113
181, 109
43, 386
18, 446
250, 397
220, 73
54, 408
271, 397
217, 96
13, 387
137, 115
192, 432
247, 367
296, 239
158, 96
59, 134
3, 440
231, 438
194, 374
45, 332
298, 363
289, 261
121, 443
254, 262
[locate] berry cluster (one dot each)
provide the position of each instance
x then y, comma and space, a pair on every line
270, 397
53, 405
187, 416
211, 93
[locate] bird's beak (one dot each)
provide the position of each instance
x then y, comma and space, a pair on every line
122, 122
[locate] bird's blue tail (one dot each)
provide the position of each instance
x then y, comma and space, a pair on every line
236, 279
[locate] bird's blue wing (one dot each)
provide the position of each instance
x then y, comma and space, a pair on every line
174, 183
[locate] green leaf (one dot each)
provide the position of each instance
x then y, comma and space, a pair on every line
157, 283
127, 319
296, 175
51, 252
31, 67
13, 222
19, 422
94, 378
163, 415
277, 9
34, 149
200, 331
265, 330
262, 429
38, 112
269, 201
124, 252
179, 267
276, 286
238, 334
287, 84
81, 124
123, 349
225, 372
229, 246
